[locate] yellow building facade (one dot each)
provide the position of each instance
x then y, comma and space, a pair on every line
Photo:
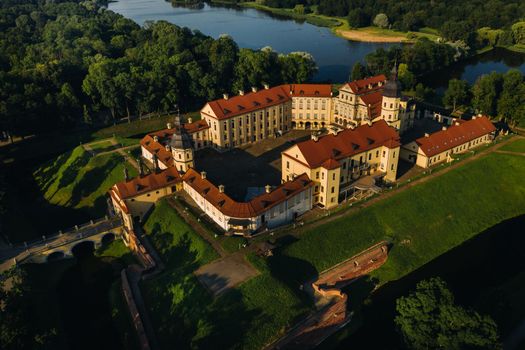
335, 161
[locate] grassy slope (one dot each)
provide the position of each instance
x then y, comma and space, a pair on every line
433, 217
183, 311
76, 180
515, 146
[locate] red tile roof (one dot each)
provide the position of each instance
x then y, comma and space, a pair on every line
362, 86
147, 183
373, 101
255, 206
347, 143
310, 90
250, 101
164, 136
455, 135
164, 156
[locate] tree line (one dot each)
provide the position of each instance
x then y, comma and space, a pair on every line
475, 22
63, 62
495, 94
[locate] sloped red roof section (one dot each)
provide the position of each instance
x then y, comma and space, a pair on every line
147, 183
229, 207
455, 135
250, 101
368, 84
348, 142
310, 90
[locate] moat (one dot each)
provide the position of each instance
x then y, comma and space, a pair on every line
335, 56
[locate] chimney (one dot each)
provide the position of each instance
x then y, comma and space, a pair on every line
156, 138
427, 134
268, 188
443, 128
315, 137
126, 175
190, 120
266, 86
203, 174
474, 117
254, 89
168, 125
141, 171
241, 92
221, 188
225, 96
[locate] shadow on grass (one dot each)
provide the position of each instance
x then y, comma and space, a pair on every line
183, 311
92, 179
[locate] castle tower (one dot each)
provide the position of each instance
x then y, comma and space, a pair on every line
391, 102
182, 148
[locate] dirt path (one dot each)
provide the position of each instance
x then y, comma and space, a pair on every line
197, 226
118, 149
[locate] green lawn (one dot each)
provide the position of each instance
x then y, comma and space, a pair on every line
78, 181
101, 146
422, 222
117, 249
515, 146
185, 313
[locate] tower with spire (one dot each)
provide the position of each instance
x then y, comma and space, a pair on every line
181, 147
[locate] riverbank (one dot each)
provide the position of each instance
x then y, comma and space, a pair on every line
340, 27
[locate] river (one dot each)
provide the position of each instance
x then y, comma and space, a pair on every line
335, 56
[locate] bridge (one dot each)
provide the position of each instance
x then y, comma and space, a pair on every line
61, 245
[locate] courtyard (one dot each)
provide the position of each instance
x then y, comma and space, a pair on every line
245, 171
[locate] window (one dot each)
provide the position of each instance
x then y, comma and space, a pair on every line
322, 189
369, 156
333, 189
392, 167
384, 153
333, 176
287, 165
322, 176
317, 175
377, 154
332, 199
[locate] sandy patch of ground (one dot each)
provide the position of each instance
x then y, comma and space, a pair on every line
360, 35
226, 273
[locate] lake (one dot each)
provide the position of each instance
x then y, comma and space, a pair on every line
335, 56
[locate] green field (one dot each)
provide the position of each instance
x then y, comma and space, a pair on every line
515, 146
77, 180
422, 222
185, 313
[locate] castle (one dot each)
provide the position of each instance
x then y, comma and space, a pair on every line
355, 133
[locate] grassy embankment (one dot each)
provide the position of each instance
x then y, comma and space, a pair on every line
184, 312
78, 181
517, 146
423, 222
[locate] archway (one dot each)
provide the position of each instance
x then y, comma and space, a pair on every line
83, 249
301, 125
294, 125
56, 255
307, 125
108, 238
316, 125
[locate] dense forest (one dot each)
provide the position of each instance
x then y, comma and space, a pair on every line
66, 62
455, 20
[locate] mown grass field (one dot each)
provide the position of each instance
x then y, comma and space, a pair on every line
517, 145
423, 221
185, 313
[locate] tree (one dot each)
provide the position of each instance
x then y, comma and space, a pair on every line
456, 94
381, 20
518, 32
358, 18
511, 104
406, 77
428, 318
17, 330
423, 92
358, 72
485, 93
